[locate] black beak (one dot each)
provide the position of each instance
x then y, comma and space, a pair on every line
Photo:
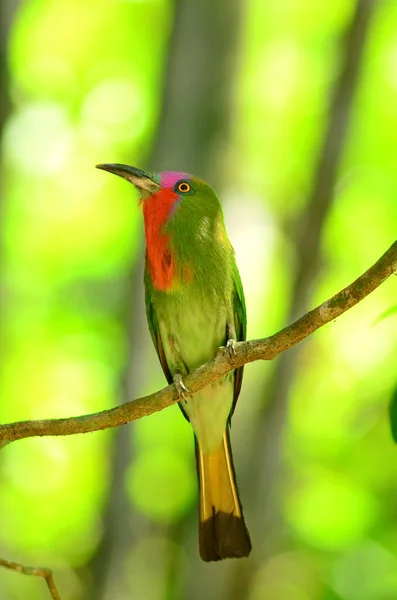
141, 179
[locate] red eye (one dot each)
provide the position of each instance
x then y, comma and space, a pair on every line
184, 187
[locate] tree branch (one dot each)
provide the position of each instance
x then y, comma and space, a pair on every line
264, 349
37, 571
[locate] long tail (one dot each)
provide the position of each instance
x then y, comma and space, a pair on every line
222, 533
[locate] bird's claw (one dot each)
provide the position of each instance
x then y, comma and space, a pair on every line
181, 387
231, 347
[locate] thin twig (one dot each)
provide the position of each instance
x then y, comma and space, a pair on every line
37, 571
265, 349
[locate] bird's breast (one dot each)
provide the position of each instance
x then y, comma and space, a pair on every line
194, 327
160, 259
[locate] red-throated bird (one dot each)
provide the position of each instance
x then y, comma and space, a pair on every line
194, 304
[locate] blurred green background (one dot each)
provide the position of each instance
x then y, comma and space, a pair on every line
288, 109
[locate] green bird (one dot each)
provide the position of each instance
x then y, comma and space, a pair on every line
195, 304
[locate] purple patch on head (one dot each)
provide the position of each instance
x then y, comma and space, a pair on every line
169, 178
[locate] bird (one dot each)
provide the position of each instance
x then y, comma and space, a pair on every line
194, 305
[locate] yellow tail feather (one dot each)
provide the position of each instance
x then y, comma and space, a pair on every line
223, 533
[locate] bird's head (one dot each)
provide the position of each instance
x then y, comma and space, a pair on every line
174, 184
176, 206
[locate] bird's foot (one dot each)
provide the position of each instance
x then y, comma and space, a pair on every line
181, 388
231, 347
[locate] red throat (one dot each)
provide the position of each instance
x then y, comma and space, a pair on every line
156, 210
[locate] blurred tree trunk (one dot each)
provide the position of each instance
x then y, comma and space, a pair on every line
192, 133
7, 11
265, 463
194, 126
118, 519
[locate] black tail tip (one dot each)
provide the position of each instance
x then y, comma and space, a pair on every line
223, 536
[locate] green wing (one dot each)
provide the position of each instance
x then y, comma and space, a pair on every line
155, 330
240, 323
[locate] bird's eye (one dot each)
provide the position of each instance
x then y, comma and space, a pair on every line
184, 187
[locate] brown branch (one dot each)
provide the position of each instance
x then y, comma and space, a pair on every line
37, 571
265, 349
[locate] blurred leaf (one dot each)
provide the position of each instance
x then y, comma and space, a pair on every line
393, 415
330, 513
387, 313
162, 484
